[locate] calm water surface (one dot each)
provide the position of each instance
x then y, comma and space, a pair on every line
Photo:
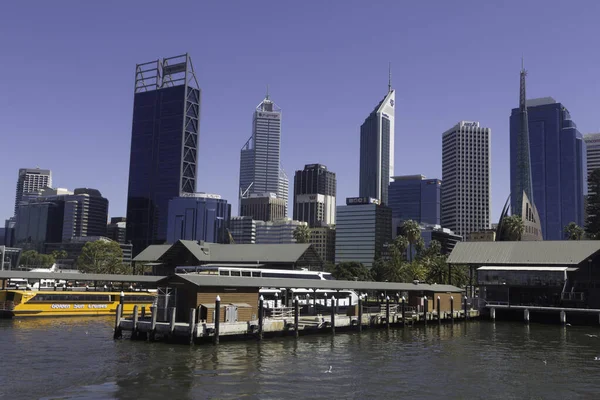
77, 359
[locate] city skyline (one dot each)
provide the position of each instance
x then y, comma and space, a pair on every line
324, 100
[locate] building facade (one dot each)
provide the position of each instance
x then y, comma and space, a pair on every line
314, 195
164, 146
260, 157
115, 230
446, 238
198, 216
558, 164
323, 240
488, 235
466, 178
592, 144
31, 180
412, 197
263, 207
39, 222
363, 229
277, 232
377, 150
242, 230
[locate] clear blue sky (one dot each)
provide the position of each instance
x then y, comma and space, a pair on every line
67, 69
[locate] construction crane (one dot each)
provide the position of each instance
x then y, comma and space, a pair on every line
231, 241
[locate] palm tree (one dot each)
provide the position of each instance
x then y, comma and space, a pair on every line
412, 231
302, 233
514, 227
573, 231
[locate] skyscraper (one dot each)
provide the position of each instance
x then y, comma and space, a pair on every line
557, 152
521, 187
466, 186
377, 149
260, 164
314, 195
412, 197
31, 180
164, 146
592, 143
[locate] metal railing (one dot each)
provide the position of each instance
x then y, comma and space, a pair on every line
281, 312
573, 296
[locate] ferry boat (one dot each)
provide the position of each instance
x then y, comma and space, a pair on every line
40, 303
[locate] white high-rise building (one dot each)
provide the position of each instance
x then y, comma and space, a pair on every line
260, 167
466, 179
31, 180
592, 143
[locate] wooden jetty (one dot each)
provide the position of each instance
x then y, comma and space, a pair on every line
237, 310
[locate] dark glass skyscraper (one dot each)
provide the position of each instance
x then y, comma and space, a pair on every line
314, 195
164, 146
377, 149
199, 216
416, 198
557, 152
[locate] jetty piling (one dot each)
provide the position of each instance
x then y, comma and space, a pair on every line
261, 311
118, 332
152, 335
296, 316
360, 312
425, 304
134, 332
172, 314
387, 312
563, 317
333, 315
452, 309
465, 306
217, 320
403, 312
192, 324
439, 310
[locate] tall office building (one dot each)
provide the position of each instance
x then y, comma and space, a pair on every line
164, 146
558, 153
363, 229
116, 229
377, 149
412, 197
260, 164
199, 217
466, 184
31, 180
521, 187
263, 207
314, 195
592, 143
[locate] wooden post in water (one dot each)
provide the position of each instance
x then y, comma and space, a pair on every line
403, 312
118, 333
333, 315
563, 317
122, 302
192, 324
143, 312
152, 334
425, 307
173, 312
439, 310
296, 316
526, 316
134, 329
452, 309
360, 312
387, 312
217, 320
493, 314
261, 301
466, 312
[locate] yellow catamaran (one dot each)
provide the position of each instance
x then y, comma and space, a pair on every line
27, 303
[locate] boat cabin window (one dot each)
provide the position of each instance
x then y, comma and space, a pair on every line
136, 298
246, 273
70, 297
235, 273
224, 273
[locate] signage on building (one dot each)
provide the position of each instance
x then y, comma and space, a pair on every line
268, 115
310, 198
201, 195
470, 123
361, 200
173, 69
386, 116
313, 166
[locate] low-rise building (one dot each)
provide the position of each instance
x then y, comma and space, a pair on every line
242, 230
488, 235
322, 239
263, 207
280, 231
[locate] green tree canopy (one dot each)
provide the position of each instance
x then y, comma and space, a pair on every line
573, 231
59, 254
351, 271
592, 224
412, 232
102, 257
513, 228
33, 259
302, 233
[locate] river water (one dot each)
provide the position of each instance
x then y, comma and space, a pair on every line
77, 359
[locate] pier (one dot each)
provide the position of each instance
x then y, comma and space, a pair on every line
194, 308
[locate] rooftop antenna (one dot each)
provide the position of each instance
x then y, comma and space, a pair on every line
390, 77
267, 97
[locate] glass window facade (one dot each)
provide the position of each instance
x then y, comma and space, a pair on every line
416, 199
558, 176
193, 218
157, 162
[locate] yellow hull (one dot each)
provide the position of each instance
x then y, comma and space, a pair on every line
20, 303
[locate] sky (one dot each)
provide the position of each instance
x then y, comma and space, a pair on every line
67, 78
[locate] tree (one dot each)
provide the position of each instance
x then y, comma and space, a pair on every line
302, 233
592, 224
513, 227
412, 232
59, 254
573, 231
351, 271
33, 259
102, 257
